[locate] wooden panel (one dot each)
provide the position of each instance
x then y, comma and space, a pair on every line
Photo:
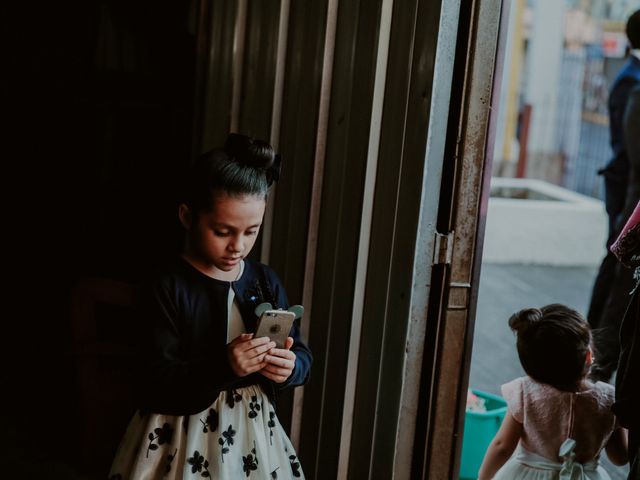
216, 22
297, 142
338, 235
398, 209
255, 96
258, 74
462, 214
370, 420
298, 136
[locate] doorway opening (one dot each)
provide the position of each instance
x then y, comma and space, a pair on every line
547, 226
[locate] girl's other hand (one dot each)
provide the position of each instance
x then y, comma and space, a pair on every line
501, 447
280, 362
247, 354
617, 447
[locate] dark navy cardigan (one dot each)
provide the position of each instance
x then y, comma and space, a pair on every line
183, 359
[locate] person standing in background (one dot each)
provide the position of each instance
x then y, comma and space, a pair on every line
613, 283
616, 172
627, 251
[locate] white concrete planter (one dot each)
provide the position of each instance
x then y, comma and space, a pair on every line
534, 222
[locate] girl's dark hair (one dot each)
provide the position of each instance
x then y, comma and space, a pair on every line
552, 344
243, 166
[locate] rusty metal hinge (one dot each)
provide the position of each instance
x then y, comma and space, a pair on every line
443, 249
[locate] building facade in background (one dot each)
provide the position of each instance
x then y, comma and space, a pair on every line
560, 60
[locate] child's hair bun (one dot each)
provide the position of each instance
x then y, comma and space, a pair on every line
248, 151
522, 320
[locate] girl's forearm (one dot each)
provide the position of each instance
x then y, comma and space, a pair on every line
493, 461
502, 447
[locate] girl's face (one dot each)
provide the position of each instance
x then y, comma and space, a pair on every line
219, 239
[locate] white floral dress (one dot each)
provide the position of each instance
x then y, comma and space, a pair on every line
238, 436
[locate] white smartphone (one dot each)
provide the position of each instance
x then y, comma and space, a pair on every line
275, 324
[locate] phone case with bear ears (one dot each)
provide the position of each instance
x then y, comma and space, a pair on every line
275, 324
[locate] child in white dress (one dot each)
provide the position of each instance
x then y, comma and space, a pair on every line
559, 421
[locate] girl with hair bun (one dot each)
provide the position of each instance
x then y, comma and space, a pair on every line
206, 385
557, 421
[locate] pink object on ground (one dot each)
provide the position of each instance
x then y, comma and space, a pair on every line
475, 403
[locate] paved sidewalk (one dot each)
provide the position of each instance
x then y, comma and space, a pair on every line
505, 289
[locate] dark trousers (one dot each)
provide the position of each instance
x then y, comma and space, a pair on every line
628, 382
613, 283
601, 289
609, 301
615, 194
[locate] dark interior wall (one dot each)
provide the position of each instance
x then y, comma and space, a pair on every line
103, 98
99, 98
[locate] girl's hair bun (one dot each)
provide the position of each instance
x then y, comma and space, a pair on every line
522, 320
552, 342
248, 151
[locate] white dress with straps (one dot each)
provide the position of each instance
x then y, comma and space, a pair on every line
526, 465
558, 427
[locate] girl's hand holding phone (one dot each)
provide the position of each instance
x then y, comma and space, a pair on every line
279, 362
247, 354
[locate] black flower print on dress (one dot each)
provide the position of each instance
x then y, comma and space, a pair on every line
295, 466
271, 424
274, 474
250, 462
170, 458
210, 424
198, 463
233, 397
254, 406
163, 435
226, 438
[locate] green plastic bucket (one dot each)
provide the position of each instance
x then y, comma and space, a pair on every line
479, 430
